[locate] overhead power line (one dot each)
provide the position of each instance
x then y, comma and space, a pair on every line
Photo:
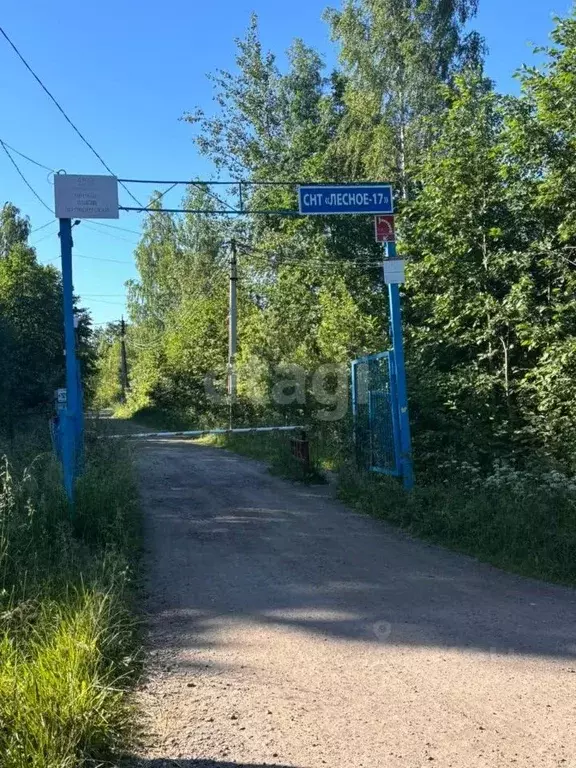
102, 258
61, 110
7, 148
30, 159
24, 179
37, 229
93, 258
90, 224
88, 300
161, 195
158, 197
47, 168
44, 237
209, 193
113, 226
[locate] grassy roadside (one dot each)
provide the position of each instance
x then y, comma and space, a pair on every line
67, 636
271, 447
523, 521
516, 520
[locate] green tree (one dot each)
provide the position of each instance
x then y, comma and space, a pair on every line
466, 280
31, 345
395, 54
106, 388
541, 144
267, 122
491, 312
178, 308
273, 126
487, 222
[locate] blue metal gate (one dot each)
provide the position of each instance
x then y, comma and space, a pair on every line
375, 412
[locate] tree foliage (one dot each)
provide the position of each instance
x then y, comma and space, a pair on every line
31, 325
395, 54
30, 322
487, 220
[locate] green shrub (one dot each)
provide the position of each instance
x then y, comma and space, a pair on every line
274, 449
521, 520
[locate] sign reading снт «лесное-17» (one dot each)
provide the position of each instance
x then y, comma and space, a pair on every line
323, 200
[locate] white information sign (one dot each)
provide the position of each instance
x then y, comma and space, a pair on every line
394, 271
85, 197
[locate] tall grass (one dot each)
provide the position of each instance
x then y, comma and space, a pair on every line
67, 639
274, 449
522, 521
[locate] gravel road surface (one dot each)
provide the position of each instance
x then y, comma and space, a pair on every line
286, 630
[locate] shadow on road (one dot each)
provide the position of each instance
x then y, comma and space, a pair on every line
228, 542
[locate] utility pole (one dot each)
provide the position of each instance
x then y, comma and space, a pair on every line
123, 360
232, 323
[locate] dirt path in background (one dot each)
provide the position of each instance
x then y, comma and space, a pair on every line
286, 630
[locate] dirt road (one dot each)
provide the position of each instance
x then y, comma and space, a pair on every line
286, 630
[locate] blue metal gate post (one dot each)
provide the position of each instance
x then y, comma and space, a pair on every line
354, 407
71, 414
401, 388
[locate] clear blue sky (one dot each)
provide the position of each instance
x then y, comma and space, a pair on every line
125, 72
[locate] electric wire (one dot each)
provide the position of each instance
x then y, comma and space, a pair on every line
103, 258
94, 258
211, 194
113, 226
24, 179
61, 110
102, 301
37, 229
44, 237
90, 225
45, 167
30, 159
318, 263
161, 195
98, 223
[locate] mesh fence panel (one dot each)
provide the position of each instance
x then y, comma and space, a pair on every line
375, 417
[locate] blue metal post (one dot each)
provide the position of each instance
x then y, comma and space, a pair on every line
70, 415
401, 388
395, 412
354, 392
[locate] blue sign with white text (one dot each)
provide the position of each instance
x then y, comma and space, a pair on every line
345, 198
